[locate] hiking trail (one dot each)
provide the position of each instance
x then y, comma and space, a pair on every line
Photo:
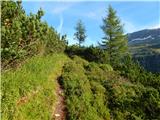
60, 107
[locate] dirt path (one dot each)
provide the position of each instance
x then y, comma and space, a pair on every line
60, 110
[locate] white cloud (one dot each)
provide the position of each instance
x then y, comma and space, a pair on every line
149, 26
61, 7
59, 29
91, 14
154, 26
96, 14
128, 26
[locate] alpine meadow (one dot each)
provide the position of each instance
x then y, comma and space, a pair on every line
87, 67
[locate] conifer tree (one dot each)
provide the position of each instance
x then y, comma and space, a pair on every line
80, 34
114, 40
25, 35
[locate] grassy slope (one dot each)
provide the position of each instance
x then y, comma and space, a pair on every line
28, 93
93, 92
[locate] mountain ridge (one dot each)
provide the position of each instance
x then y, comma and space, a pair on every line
144, 46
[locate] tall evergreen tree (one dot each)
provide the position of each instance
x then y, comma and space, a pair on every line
80, 34
114, 40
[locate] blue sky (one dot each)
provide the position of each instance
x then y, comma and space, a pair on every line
135, 15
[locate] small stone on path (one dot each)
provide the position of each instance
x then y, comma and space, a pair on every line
57, 115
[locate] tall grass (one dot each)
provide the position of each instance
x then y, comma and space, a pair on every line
28, 93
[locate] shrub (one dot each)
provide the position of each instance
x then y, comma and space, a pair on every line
24, 35
106, 67
91, 54
81, 94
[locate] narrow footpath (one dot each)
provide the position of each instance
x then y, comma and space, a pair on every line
60, 108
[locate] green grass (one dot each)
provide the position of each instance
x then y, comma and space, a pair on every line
28, 93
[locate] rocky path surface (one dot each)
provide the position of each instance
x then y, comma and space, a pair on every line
60, 108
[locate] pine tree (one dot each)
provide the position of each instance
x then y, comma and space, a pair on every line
25, 35
80, 34
114, 40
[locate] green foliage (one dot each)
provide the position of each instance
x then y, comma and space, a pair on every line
95, 91
106, 67
79, 60
54, 43
137, 74
80, 33
128, 101
115, 41
92, 54
26, 35
94, 72
85, 100
28, 93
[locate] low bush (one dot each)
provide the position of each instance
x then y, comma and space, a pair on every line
91, 54
84, 101
96, 91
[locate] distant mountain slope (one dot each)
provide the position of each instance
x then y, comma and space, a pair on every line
147, 36
145, 47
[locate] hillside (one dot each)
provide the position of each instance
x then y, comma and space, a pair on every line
29, 92
96, 92
145, 37
145, 47
91, 91
44, 78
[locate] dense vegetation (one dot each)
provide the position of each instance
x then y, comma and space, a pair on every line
26, 35
96, 92
92, 54
99, 84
